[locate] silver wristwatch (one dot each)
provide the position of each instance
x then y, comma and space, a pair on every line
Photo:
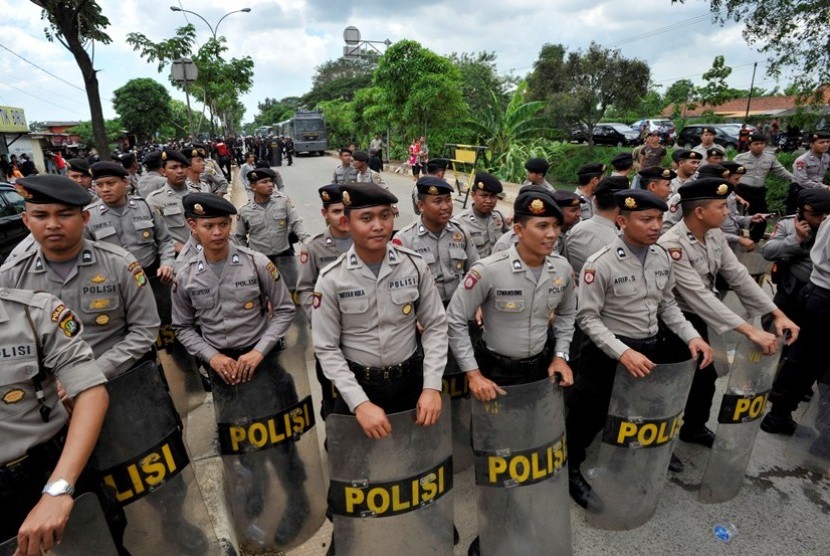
561, 355
58, 488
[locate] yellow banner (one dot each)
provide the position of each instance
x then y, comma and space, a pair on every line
12, 119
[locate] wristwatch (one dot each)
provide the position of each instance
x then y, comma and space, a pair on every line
58, 488
561, 355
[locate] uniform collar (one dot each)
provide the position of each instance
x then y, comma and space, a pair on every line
86, 257
604, 221
623, 253
234, 257
131, 203
518, 265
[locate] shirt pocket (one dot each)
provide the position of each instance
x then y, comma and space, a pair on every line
144, 232
280, 218
104, 234
94, 304
479, 238
458, 257
203, 301
626, 289
354, 306
510, 304
404, 296
17, 389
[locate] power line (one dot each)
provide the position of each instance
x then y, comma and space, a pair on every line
661, 30
760, 62
40, 68
43, 99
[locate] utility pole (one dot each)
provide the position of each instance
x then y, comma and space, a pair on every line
751, 86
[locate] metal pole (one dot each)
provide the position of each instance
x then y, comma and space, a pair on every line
187, 97
751, 86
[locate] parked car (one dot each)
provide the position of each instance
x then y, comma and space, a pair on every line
654, 124
619, 135
725, 136
579, 133
12, 229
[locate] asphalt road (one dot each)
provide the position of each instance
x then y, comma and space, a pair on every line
782, 509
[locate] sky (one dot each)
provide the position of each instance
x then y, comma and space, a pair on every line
287, 39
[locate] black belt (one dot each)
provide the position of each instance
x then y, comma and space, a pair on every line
494, 364
637, 343
384, 375
236, 353
38, 459
287, 253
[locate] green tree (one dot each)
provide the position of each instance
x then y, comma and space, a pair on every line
793, 34
340, 121
113, 132
176, 124
77, 25
142, 105
716, 90
581, 86
480, 80
340, 79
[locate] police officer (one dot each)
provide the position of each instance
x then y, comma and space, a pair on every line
37, 331
442, 242
167, 201
759, 164
625, 288
345, 172
806, 362
77, 169
707, 141
364, 174
622, 164
483, 221
315, 255
435, 167
152, 178
571, 206
687, 164
537, 169
589, 176
199, 178
589, 236
714, 156
700, 253
810, 168
735, 222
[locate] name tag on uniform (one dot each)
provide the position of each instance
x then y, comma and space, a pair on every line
351, 293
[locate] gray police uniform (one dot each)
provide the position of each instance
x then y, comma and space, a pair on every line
586, 208
369, 176
167, 201
266, 229
213, 312
106, 288
26, 244
506, 240
587, 237
516, 307
809, 169
135, 227
343, 174
485, 231
450, 254
215, 180
674, 214
31, 322
701, 150
322, 250
734, 221
370, 320
758, 167
149, 182
677, 182
544, 184
793, 265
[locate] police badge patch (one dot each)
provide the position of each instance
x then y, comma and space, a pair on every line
303, 257
70, 325
676, 253
316, 299
140, 277
272, 269
472, 278
590, 276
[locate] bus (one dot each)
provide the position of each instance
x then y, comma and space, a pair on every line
308, 130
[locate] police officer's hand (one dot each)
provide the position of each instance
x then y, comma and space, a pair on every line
43, 527
428, 409
746, 243
482, 388
763, 339
701, 351
741, 200
560, 368
785, 327
373, 420
247, 364
802, 230
758, 218
225, 367
165, 273
637, 364
479, 318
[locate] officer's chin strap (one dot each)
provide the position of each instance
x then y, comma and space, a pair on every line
44, 409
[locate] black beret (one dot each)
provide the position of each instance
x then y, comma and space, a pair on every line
612, 184
622, 161
193, 151
537, 165
758, 136
152, 161
487, 182
435, 164
815, 136
684, 154
430, 185
173, 156
262, 164
103, 169
128, 160
705, 188
707, 130
714, 151
361, 156
591, 169
260, 174
733, 167
657, 173
79, 165
330, 194
42, 189
567, 198
363, 195
814, 199
206, 205
536, 202
639, 199
713, 171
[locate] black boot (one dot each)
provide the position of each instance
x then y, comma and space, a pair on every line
581, 491
775, 423
475, 548
675, 465
699, 435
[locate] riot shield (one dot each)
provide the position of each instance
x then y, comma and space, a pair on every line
723, 345
142, 459
454, 384
521, 460
810, 445
741, 409
86, 532
270, 453
644, 417
391, 496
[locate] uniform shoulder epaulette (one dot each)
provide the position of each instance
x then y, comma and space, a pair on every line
93, 204
454, 220
319, 238
789, 217
599, 254
156, 191
110, 248
248, 250
557, 258
26, 297
409, 226
406, 250
332, 265
499, 256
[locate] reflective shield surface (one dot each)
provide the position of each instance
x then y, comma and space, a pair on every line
391, 496
644, 417
521, 471
810, 445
